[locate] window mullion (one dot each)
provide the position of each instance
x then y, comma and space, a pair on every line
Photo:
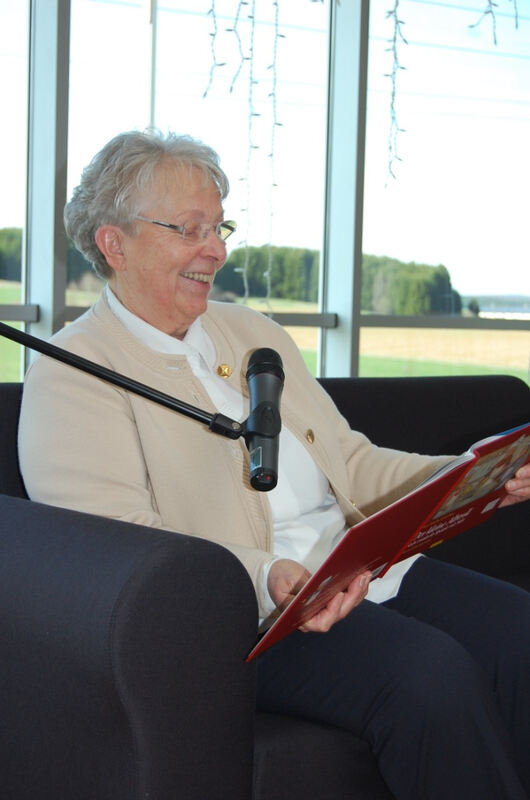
45, 274
342, 248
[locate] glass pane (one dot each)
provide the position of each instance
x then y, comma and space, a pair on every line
110, 58
13, 63
254, 88
445, 223
10, 356
307, 340
405, 352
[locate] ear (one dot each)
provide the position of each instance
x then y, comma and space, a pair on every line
109, 239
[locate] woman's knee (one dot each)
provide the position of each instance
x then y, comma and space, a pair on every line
436, 683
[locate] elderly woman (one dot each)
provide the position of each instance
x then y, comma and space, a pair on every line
432, 669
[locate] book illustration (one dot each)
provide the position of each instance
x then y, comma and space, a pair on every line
487, 475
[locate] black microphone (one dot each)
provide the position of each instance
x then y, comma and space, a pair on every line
265, 378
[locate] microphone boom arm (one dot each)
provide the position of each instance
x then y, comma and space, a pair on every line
217, 423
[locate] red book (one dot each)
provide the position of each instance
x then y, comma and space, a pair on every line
459, 495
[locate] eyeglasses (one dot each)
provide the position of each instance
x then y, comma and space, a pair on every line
195, 232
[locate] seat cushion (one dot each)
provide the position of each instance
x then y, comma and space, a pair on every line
296, 759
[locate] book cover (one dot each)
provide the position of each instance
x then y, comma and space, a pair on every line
459, 495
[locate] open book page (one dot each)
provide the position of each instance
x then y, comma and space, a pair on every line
483, 446
461, 494
479, 492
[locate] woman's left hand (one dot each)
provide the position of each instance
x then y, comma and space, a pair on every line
518, 487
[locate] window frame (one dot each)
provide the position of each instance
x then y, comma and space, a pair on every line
44, 310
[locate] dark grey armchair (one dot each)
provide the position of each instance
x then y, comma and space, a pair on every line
122, 675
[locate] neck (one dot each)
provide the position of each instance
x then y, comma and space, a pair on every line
169, 329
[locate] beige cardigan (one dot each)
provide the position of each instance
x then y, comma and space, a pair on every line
87, 445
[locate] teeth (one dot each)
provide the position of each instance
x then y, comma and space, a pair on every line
204, 277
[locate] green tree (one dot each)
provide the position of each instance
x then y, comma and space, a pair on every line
473, 307
76, 263
11, 257
293, 272
413, 295
390, 286
10, 254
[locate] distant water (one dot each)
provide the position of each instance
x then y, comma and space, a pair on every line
505, 315
502, 306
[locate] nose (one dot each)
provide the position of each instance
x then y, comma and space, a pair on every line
214, 245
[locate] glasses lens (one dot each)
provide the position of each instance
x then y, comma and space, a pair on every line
192, 232
226, 229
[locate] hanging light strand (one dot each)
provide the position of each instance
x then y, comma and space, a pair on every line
213, 40
489, 11
247, 55
251, 146
395, 129
275, 124
235, 30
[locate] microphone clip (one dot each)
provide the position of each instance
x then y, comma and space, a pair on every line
264, 420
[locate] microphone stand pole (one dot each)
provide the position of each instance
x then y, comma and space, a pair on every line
217, 423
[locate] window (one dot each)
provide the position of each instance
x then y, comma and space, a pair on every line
253, 85
456, 200
443, 240
13, 63
110, 89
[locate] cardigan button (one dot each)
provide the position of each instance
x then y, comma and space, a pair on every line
224, 370
310, 436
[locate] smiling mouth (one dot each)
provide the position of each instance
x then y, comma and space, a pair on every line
202, 277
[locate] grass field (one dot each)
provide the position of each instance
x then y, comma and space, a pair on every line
384, 351
381, 367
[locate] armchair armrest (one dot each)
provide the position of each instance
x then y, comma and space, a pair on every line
122, 671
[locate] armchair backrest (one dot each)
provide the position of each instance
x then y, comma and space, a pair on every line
431, 414
11, 482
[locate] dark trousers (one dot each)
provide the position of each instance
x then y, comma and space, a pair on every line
437, 680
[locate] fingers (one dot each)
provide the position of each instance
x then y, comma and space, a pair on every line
285, 580
518, 487
355, 594
339, 606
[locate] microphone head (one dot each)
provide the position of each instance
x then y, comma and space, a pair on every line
265, 359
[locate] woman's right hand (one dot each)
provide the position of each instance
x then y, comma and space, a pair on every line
286, 579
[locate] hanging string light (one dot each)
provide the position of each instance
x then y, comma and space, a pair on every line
213, 38
273, 67
247, 57
395, 41
395, 129
489, 11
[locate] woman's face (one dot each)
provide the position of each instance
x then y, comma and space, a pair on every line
157, 275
